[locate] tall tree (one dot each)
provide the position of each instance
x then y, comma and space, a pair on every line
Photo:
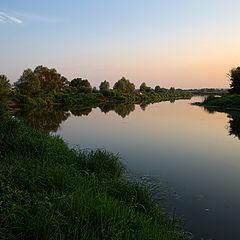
172, 89
104, 86
94, 90
50, 80
28, 83
124, 85
144, 88
4, 86
79, 85
157, 89
234, 76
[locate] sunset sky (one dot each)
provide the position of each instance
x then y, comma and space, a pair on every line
184, 44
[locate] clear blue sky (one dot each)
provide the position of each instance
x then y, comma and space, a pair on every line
168, 43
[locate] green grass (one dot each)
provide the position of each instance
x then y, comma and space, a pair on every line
49, 191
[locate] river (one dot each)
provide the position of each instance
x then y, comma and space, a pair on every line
188, 148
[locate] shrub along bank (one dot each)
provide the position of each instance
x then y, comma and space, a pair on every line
91, 99
230, 101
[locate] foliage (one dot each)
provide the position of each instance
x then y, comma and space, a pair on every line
4, 86
50, 80
104, 86
42, 80
234, 76
172, 89
79, 85
94, 90
27, 103
226, 101
77, 99
46, 87
28, 83
109, 93
157, 89
144, 88
124, 85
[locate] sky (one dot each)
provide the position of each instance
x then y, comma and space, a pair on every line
179, 43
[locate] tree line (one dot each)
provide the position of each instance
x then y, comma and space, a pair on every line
43, 80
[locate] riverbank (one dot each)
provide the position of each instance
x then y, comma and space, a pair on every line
224, 102
67, 100
49, 191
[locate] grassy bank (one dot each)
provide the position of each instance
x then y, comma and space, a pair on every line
227, 101
48, 191
68, 100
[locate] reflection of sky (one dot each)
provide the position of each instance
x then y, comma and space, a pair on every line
189, 148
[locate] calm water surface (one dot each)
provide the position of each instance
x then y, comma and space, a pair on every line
190, 148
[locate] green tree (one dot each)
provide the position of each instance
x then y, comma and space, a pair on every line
50, 80
94, 90
79, 85
4, 86
234, 76
28, 83
157, 89
172, 89
144, 88
104, 86
124, 85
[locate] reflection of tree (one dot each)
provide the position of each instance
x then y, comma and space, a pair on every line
80, 111
209, 110
234, 125
107, 108
234, 122
47, 120
144, 105
122, 109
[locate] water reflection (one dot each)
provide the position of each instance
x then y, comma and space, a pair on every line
234, 125
46, 120
51, 119
144, 105
234, 120
122, 109
80, 111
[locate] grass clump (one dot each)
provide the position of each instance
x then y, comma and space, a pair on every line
48, 191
